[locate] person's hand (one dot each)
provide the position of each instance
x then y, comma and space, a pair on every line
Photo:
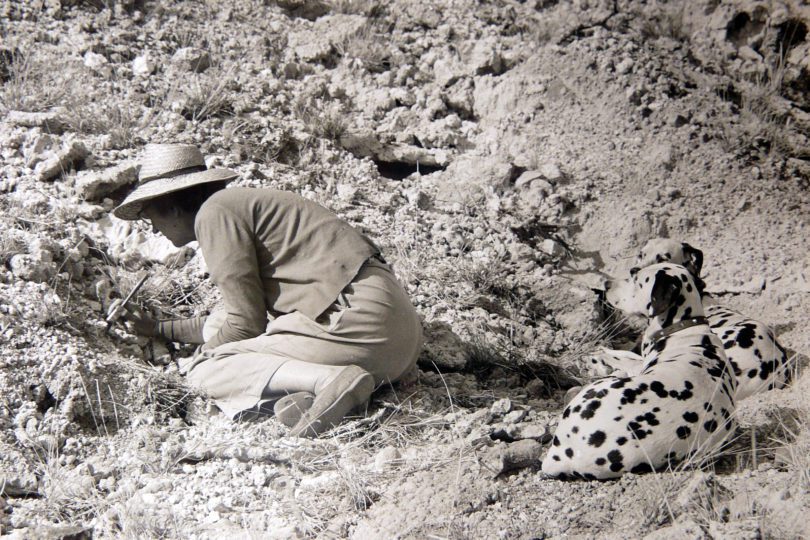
141, 321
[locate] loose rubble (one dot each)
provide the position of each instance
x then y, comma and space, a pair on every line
506, 156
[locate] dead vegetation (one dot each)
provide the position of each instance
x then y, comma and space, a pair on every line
152, 430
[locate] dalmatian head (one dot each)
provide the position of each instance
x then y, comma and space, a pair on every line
660, 250
664, 293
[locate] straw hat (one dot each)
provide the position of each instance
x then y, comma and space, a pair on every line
166, 168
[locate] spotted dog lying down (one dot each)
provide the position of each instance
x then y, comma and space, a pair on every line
760, 363
679, 405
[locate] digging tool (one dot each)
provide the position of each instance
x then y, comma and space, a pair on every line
115, 313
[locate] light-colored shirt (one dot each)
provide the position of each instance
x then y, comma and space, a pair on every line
271, 251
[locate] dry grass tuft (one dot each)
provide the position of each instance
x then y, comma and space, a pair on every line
206, 95
327, 122
10, 246
368, 8
34, 85
666, 21
370, 45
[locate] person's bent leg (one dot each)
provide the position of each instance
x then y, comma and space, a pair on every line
336, 390
351, 387
298, 376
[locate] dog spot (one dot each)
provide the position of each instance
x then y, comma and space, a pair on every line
566, 412
597, 438
641, 468
636, 430
683, 432
619, 383
575, 429
594, 394
720, 323
710, 425
649, 418
555, 441
590, 409
628, 396
555, 457
600, 461
658, 388
745, 337
615, 457
621, 441
691, 417
569, 452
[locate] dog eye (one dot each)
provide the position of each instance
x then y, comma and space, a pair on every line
634, 270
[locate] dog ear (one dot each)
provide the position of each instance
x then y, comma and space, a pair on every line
692, 259
665, 291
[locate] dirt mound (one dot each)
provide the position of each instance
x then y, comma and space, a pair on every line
507, 156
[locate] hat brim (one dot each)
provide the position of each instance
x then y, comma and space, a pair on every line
135, 201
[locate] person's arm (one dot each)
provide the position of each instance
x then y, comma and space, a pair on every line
182, 330
229, 249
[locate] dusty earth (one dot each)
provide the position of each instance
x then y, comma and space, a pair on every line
506, 155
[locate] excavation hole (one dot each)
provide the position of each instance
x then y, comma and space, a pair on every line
398, 170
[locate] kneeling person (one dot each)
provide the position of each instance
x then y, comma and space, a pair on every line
313, 316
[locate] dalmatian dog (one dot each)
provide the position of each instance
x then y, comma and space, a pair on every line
679, 405
759, 361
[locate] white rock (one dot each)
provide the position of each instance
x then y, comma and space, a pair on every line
191, 59
513, 417
143, 66
95, 185
386, 457
624, 66
552, 247
94, 60
501, 406
551, 171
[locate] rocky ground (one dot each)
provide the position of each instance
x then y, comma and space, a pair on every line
506, 155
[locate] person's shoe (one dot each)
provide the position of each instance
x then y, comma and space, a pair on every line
290, 408
352, 387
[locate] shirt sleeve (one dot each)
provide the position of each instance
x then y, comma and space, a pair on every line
229, 249
182, 330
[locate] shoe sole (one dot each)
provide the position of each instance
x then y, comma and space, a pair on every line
334, 413
291, 408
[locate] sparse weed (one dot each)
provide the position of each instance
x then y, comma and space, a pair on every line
762, 126
792, 448
328, 122
759, 128
673, 494
370, 46
667, 21
34, 85
10, 246
369, 8
206, 95
119, 121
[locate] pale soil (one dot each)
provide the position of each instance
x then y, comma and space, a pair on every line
536, 126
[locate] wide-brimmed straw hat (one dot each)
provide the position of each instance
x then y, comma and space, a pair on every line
166, 168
